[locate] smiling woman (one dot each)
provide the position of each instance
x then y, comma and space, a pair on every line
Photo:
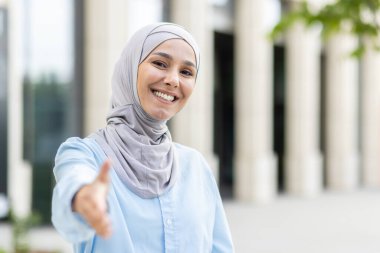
166, 79
129, 187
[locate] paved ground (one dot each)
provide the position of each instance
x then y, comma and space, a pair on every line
331, 223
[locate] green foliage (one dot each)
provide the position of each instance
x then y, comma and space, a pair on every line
21, 226
20, 230
357, 17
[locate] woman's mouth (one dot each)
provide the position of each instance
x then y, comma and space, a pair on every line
164, 96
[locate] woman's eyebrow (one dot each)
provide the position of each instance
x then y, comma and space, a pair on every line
168, 56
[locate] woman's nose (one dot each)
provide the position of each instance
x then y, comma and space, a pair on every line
172, 79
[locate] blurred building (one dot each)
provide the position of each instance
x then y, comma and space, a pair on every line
294, 116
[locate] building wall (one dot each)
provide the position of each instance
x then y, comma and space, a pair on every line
256, 171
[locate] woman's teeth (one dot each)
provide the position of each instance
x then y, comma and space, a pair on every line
164, 96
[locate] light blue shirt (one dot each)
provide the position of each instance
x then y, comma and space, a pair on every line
188, 218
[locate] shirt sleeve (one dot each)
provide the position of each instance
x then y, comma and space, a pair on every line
75, 166
222, 239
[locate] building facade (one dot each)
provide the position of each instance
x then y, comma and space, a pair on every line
294, 116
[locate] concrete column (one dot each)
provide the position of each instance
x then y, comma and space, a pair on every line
303, 160
341, 113
106, 34
255, 162
19, 171
370, 131
193, 126
108, 26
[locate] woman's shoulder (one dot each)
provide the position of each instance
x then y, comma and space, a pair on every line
186, 151
79, 151
195, 169
77, 145
193, 158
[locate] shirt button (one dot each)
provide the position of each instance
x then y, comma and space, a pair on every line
169, 222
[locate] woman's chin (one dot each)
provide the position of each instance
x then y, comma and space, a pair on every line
161, 115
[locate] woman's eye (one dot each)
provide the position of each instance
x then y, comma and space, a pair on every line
187, 73
159, 64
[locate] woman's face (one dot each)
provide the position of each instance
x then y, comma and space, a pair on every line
166, 79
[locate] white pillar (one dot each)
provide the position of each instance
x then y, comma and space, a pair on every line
193, 126
255, 162
109, 24
303, 160
371, 118
342, 158
19, 171
106, 34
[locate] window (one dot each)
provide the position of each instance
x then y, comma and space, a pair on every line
52, 89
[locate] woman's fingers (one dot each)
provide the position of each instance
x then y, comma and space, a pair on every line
100, 222
91, 202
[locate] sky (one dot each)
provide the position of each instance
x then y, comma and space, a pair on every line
48, 37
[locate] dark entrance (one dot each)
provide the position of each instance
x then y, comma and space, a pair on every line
279, 112
3, 101
224, 110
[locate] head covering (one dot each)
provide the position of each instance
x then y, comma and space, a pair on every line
139, 146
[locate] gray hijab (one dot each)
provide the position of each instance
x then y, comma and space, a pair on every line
139, 146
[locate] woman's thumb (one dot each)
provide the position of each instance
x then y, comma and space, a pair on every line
103, 176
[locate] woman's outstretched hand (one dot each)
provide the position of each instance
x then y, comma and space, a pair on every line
91, 202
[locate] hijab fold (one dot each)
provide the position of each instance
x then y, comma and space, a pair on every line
139, 146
